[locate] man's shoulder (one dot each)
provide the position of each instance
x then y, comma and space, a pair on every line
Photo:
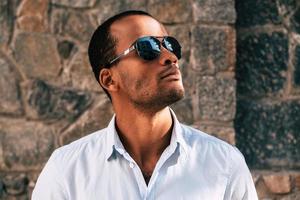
85, 146
199, 141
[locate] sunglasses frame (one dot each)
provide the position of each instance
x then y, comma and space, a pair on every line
133, 47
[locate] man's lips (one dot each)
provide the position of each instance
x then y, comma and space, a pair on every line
171, 72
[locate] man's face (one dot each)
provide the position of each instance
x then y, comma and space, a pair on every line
145, 84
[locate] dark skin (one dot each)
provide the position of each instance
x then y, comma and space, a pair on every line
140, 93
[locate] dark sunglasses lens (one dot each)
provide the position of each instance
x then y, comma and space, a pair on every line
172, 45
148, 48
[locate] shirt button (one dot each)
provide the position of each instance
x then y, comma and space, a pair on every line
131, 165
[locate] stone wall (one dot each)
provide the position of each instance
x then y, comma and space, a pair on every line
267, 119
49, 97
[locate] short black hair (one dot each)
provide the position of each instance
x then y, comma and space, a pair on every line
102, 45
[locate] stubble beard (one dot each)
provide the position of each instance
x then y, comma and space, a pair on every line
159, 100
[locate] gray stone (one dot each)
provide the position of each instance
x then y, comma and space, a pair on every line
213, 49
26, 145
108, 8
95, 119
222, 132
262, 61
168, 11
75, 4
268, 133
15, 184
66, 48
297, 67
184, 111
257, 12
216, 98
221, 11
46, 102
74, 24
79, 74
7, 8
37, 55
9, 88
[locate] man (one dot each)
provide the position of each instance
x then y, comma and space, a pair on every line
144, 153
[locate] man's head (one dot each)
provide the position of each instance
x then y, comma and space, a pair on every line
132, 78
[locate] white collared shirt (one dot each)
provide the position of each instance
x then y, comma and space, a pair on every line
194, 166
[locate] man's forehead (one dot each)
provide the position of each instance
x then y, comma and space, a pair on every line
135, 26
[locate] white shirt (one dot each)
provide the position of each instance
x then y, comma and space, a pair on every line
194, 166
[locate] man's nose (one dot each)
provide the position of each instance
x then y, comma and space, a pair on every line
166, 57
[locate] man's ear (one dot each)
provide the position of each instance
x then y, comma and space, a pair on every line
107, 81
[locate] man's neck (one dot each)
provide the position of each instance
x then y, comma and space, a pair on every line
144, 135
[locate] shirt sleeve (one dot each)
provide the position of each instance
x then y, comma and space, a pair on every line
49, 185
240, 185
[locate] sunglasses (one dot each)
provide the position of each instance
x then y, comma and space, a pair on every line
149, 47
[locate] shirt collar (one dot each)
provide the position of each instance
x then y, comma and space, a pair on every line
114, 143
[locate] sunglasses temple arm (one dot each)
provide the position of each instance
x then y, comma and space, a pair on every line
127, 51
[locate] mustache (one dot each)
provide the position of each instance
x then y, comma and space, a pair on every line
170, 70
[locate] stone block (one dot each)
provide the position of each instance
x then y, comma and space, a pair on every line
10, 101
220, 11
278, 183
66, 48
216, 98
268, 133
184, 110
108, 8
224, 133
75, 4
75, 24
297, 67
262, 61
7, 9
95, 119
15, 184
213, 49
257, 12
168, 11
26, 145
50, 103
37, 55
79, 74
32, 15
294, 21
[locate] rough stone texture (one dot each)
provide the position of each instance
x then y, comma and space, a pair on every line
37, 55
261, 63
278, 183
66, 48
295, 21
46, 102
107, 8
268, 133
75, 4
78, 74
297, 67
213, 49
184, 110
257, 12
97, 118
15, 184
216, 98
26, 145
167, 11
9, 88
224, 133
221, 11
6, 20
69, 24
32, 15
